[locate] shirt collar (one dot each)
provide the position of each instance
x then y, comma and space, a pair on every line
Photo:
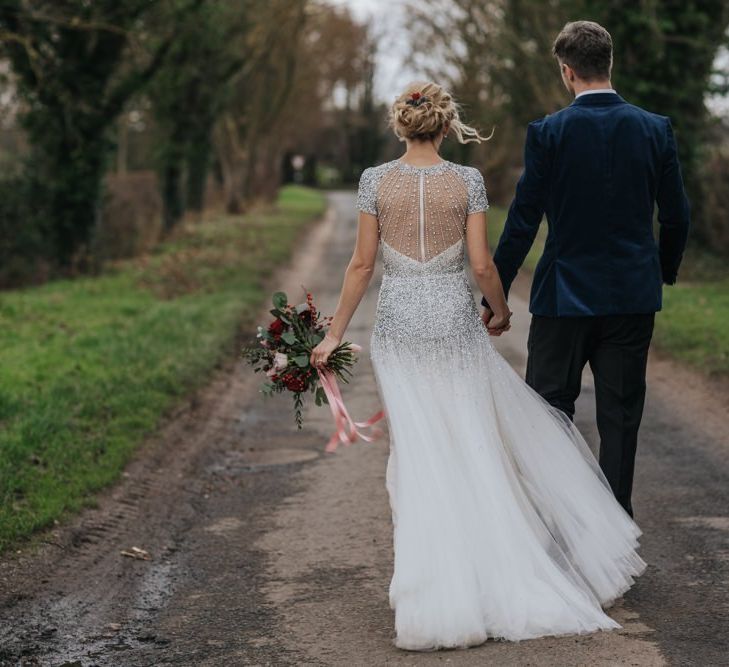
595, 91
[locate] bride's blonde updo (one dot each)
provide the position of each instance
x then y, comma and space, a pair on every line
423, 111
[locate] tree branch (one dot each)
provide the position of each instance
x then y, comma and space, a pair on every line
122, 92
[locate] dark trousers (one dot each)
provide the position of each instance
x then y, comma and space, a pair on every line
616, 347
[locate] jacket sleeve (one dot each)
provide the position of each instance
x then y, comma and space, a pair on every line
673, 211
526, 211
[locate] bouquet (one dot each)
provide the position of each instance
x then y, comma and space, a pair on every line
283, 352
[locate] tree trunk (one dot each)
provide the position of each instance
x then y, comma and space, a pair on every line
231, 160
198, 165
172, 200
122, 151
71, 172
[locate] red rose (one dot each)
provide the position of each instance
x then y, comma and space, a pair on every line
276, 328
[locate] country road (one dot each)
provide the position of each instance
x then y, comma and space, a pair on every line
267, 551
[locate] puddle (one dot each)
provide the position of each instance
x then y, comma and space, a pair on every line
69, 633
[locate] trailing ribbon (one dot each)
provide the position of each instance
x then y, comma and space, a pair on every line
346, 428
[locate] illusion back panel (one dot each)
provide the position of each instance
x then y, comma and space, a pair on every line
422, 214
421, 211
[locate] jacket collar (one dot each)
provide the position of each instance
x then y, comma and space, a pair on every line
595, 99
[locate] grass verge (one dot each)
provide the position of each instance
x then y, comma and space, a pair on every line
694, 323
496, 221
88, 367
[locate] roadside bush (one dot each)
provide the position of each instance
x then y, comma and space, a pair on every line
715, 224
131, 217
129, 225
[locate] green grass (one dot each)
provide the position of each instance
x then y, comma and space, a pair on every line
496, 220
694, 323
88, 367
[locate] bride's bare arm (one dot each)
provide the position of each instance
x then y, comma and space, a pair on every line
485, 271
356, 279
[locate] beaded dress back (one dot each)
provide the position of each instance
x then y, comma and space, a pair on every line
421, 211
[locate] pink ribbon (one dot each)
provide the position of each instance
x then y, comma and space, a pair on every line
347, 430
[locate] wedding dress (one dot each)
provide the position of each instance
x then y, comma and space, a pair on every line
504, 525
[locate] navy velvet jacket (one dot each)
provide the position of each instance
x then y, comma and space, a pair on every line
597, 168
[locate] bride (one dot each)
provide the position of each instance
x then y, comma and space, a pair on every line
504, 525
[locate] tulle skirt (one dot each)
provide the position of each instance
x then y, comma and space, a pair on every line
504, 525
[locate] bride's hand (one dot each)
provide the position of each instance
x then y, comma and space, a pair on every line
498, 324
320, 354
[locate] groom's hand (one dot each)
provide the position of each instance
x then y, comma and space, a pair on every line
488, 319
498, 325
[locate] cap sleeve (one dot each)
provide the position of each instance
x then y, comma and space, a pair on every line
477, 199
367, 192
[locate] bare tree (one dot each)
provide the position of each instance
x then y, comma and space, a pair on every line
246, 136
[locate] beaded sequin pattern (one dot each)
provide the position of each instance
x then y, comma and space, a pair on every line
425, 307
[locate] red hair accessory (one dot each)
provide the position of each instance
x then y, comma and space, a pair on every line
416, 99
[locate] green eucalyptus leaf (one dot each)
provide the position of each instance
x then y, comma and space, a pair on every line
302, 361
320, 397
288, 337
280, 300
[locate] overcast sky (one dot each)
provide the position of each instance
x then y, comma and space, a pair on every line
387, 17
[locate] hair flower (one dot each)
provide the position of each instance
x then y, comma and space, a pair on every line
416, 99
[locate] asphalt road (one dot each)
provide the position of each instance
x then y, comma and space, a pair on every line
264, 550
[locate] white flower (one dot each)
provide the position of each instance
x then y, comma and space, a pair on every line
280, 361
355, 348
260, 332
271, 372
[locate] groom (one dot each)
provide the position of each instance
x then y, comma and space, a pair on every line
596, 168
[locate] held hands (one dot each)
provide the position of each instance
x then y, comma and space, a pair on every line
320, 354
496, 324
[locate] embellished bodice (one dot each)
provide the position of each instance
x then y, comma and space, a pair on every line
425, 298
421, 213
